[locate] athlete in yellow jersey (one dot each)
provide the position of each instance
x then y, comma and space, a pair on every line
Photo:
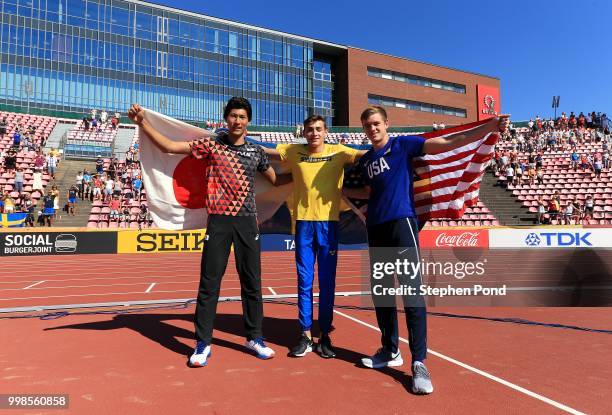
318, 172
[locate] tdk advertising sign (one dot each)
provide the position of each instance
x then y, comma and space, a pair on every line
550, 238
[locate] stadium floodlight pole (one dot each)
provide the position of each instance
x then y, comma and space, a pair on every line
555, 103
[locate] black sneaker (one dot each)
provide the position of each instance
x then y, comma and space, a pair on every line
303, 347
325, 347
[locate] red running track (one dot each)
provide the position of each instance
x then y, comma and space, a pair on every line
135, 363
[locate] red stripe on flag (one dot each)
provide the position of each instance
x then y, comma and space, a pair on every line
453, 156
447, 197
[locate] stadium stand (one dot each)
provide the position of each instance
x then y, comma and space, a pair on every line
559, 171
22, 138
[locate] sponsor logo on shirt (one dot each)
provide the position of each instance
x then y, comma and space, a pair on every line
307, 158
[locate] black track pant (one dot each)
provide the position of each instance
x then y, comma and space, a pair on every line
401, 234
222, 231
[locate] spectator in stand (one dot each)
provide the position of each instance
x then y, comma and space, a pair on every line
574, 159
51, 165
55, 193
589, 207
28, 206
509, 175
48, 210
73, 193
97, 187
588, 121
115, 122
129, 157
532, 175
531, 125
539, 160
136, 170
137, 187
606, 159
554, 209
79, 184
109, 185
87, 186
117, 188
9, 203
597, 166
3, 127
144, 217
572, 122
39, 162
435, 126
99, 165
568, 213
115, 206
540, 175
19, 180
124, 176
10, 161
518, 174
112, 170
17, 140
85, 123
103, 117
441, 126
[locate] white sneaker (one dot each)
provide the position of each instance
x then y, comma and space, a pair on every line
421, 380
260, 349
383, 358
200, 355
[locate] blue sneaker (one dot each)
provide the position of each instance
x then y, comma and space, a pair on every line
259, 348
200, 355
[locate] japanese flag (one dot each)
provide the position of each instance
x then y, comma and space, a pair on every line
175, 184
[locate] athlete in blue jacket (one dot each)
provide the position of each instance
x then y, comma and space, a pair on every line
393, 232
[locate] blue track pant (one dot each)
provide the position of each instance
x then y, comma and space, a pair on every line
316, 240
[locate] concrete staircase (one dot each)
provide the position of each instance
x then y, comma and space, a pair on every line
65, 177
55, 138
506, 208
123, 140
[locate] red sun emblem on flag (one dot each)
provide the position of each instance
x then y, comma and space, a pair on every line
188, 183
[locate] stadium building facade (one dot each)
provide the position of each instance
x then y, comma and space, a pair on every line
74, 55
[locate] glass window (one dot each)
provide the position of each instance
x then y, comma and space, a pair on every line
266, 49
212, 40
144, 26
233, 44
25, 8
10, 7
91, 15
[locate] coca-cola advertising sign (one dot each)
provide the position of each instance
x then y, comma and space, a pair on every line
477, 238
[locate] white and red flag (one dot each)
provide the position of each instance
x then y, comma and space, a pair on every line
449, 181
175, 184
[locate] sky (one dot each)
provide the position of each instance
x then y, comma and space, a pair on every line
536, 48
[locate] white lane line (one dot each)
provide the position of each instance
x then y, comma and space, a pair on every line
150, 287
478, 371
33, 285
272, 291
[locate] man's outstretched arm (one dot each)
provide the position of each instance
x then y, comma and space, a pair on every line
136, 114
441, 144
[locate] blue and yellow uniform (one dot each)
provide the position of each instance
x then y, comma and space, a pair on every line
317, 191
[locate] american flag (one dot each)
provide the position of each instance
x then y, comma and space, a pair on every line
448, 182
